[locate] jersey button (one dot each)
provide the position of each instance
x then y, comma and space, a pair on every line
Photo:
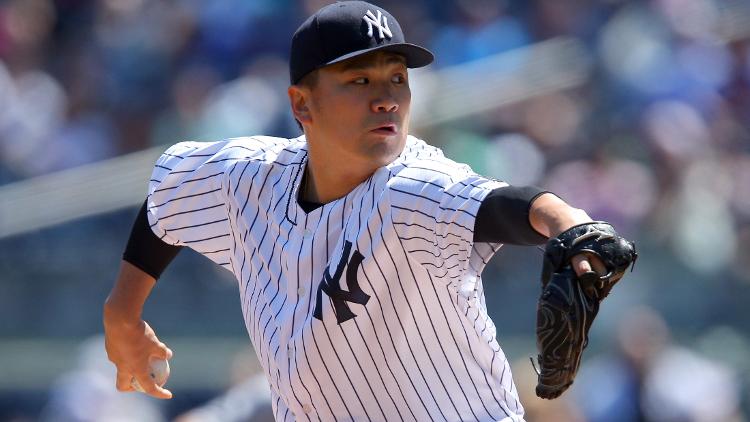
307, 233
307, 408
301, 291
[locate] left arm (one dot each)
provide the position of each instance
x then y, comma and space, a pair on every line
574, 276
529, 216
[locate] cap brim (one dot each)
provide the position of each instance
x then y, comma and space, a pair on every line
415, 55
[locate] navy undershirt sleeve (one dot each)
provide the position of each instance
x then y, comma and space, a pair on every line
503, 217
145, 250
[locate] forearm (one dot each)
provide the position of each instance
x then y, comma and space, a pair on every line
124, 304
550, 215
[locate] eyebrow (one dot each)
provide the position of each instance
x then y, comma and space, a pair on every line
367, 64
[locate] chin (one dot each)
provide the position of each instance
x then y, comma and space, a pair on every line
384, 152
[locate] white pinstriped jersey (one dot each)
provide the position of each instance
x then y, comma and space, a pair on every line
369, 307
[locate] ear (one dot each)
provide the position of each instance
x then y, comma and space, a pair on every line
299, 99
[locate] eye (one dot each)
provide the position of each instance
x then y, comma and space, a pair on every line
398, 78
361, 81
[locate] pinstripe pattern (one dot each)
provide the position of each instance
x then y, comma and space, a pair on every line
419, 347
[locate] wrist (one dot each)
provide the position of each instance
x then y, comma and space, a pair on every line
116, 315
550, 215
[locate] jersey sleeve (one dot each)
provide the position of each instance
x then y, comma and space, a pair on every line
187, 201
434, 209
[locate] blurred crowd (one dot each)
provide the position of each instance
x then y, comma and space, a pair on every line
659, 132
656, 140
647, 377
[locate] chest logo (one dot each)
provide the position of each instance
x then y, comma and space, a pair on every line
339, 298
383, 29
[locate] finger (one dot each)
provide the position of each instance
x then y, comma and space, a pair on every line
587, 262
163, 352
163, 393
152, 389
159, 392
123, 381
581, 264
598, 265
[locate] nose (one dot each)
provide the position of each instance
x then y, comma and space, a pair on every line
385, 103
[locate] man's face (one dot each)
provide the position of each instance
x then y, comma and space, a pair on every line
359, 109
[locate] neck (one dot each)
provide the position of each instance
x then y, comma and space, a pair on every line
329, 176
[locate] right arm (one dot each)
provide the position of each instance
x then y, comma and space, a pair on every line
185, 206
129, 340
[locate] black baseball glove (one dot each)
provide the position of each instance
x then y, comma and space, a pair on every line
569, 304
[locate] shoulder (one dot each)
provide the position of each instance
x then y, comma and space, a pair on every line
264, 149
260, 149
424, 163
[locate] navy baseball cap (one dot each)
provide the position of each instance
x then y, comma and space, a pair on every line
348, 29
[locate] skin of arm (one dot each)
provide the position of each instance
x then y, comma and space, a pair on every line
550, 216
130, 342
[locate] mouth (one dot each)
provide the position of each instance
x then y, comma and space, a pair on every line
388, 129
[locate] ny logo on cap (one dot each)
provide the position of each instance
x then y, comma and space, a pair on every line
371, 20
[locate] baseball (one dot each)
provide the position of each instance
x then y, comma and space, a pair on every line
159, 373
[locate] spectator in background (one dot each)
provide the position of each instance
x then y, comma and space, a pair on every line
476, 29
32, 102
246, 399
183, 118
665, 117
553, 18
46, 125
247, 104
652, 379
85, 393
136, 43
561, 409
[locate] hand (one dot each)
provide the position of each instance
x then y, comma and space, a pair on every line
130, 346
130, 341
573, 287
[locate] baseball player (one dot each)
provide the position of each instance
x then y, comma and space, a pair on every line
358, 249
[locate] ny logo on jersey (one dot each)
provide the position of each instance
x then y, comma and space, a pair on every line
371, 21
331, 287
